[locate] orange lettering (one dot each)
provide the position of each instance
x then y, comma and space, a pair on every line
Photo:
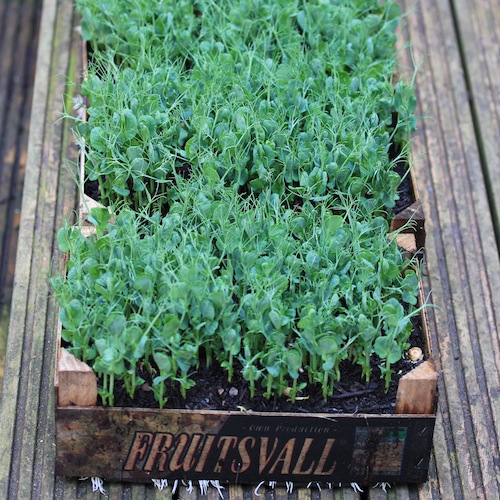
302, 456
138, 450
158, 455
227, 442
264, 458
188, 461
285, 456
322, 460
245, 457
204, 453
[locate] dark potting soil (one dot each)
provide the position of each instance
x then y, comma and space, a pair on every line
213, 391
91, 189
405, 189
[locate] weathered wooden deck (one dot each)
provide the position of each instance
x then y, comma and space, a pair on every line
18, 38
456, 44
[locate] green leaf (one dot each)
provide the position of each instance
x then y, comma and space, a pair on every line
143, 283
328, 346
171, 324
293, 360
298, 225
332, 223
99, 217
163, 362
128, 125
73, 316
387, 348
117, 324
134, 152
354, 85
210, 174
231, 341
207, 309
276, 319
64, 238
97, 140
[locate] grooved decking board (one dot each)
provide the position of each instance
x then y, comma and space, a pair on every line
18, 37
26, 408
478, 26
462, 261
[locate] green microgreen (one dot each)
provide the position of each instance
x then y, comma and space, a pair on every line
245, 148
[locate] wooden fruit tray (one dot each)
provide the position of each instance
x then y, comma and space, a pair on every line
138, 445
129, 444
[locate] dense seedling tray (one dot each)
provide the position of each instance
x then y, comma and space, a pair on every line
243, 154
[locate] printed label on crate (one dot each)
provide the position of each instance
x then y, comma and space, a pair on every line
139, 445
286, 449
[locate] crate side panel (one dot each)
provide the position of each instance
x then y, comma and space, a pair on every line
139, 445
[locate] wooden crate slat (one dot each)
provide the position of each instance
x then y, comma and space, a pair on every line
417, 391
136, 445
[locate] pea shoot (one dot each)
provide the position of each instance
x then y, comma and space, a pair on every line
244, 148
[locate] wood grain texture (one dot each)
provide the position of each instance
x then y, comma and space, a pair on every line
462, 258
76, 382
18, 56
11, 387
412, 219
417, 390
478, 26
137, 445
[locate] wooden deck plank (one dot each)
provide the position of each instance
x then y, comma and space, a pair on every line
11, 100
489, 343
30, 402
17, 53
479, 346
8, 405
477, 360
480, 231
435, 254
478, 26
14, 139
45, 452
10, 31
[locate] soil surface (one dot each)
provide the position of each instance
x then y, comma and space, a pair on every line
405, 190
213, 391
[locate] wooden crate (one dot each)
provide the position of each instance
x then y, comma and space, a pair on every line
128, 444
138, 445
